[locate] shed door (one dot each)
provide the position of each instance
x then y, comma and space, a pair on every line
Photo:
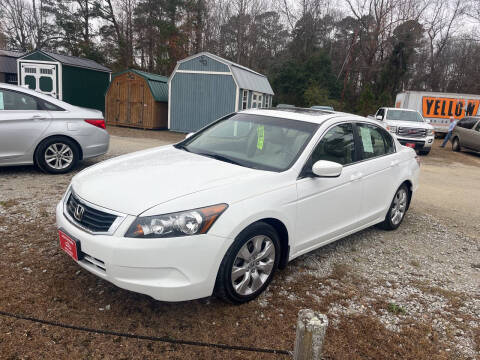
136, 102
40, 77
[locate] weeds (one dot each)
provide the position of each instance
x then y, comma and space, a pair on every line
395, 309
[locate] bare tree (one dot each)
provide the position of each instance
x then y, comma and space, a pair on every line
439, 23
16, 20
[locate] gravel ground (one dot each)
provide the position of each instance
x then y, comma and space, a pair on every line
412, 293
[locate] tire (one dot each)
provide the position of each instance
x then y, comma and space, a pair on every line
398, 208
252, 277
46, 155
424, 152
456, 144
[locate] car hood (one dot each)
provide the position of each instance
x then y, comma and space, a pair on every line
135, 182
410, 124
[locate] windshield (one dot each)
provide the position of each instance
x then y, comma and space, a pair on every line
254, 141
402, 115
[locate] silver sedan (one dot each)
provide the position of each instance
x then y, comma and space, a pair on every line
51, 134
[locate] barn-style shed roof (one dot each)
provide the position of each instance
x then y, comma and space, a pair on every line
245, 78
71, 60
158, 84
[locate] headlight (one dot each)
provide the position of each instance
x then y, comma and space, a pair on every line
184, 223
392, 129
430, 132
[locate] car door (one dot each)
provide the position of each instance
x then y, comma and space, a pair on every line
468, 138
23, 120
328, 207
379, 168
476, 137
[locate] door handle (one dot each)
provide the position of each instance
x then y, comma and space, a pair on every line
356, 176
394, 162
38, 117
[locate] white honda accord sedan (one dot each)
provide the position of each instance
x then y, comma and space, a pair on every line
219, 212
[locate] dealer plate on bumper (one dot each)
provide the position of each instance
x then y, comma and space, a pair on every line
70, 246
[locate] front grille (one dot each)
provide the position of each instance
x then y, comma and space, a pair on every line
412, 132
91, 219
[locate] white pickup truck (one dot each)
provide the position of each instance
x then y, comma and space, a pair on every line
409, 126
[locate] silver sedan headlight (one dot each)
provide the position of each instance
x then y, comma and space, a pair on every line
183, 223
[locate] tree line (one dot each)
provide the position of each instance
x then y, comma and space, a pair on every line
353, 54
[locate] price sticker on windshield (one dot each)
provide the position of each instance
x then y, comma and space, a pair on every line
260, 137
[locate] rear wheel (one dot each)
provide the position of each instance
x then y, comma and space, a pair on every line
456, 144
397, 210
57, 155
249, 264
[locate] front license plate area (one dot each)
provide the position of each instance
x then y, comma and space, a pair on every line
410, 145
69, 245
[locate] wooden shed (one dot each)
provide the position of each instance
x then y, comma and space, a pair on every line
76, 80
137, 99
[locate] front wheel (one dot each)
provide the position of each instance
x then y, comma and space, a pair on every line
57, 155
456, 144
397, 209
249, 264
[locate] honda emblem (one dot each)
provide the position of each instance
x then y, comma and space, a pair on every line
78, 214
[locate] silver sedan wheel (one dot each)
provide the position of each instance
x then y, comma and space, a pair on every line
59, 156
399, 206
253, 265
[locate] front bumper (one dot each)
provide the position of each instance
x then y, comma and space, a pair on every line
420, 143
167, 269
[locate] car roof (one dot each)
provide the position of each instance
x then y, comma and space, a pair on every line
402, 109
303, 114
37, 94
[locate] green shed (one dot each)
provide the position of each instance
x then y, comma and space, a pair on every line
75, 80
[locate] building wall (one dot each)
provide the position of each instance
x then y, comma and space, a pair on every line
85, 87
203, 63
198, 99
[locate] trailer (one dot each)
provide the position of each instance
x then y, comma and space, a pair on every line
437, 108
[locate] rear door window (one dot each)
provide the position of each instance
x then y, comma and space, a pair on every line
374, 141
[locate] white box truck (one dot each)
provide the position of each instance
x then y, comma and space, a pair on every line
437, 108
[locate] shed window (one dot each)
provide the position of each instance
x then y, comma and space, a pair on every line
31, 70
244, 99
257, 100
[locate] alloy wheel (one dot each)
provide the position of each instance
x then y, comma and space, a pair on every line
253, 265
399, 206
59, 156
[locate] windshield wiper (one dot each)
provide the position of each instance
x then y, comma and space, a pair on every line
221, 158
181, 146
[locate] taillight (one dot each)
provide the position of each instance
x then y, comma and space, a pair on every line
96, 122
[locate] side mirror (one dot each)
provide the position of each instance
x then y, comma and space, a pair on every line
379, 117
188, 135
428, 121
324, 168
